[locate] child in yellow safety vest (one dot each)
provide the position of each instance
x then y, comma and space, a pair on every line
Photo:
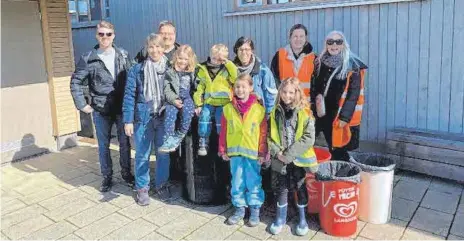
215, 79
291, 139
242, 141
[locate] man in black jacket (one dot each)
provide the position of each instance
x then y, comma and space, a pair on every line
168, 31
104, 69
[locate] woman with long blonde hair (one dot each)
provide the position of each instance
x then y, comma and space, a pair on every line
291, 138
339, 95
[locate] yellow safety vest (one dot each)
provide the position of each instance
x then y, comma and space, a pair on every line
243, 133
217, 91
308, 158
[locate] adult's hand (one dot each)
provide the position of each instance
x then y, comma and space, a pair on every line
129, 129
87, 109
342, 124
198, 111
178, 104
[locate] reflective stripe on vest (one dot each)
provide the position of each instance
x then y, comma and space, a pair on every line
308, 158
243, 133
342, 136
304, 74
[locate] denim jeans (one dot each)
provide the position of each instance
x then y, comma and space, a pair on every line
103, 124
149, 134
246, 187
204, 126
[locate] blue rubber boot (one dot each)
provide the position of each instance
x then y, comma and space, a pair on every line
280, 220
302, 226
254, 216
238, 215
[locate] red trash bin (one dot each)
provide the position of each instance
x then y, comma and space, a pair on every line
313, 187
340, 193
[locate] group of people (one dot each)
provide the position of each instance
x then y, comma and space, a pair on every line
264, 116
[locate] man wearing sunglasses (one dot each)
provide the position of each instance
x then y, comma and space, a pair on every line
104, 70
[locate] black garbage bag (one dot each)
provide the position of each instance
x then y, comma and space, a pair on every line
372, 162
338, 171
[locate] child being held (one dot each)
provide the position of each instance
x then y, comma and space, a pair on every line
178, 85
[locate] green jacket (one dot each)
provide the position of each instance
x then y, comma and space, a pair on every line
290, 152
172, 85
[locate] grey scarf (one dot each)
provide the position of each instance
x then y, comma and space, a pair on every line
247, 69
332, 61
154, 81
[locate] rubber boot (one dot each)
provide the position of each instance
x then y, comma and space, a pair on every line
302, 226
280, 220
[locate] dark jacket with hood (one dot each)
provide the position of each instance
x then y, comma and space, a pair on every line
105, 91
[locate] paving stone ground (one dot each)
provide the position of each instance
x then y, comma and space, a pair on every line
56, 197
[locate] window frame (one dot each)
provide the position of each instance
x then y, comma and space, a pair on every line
299, 5
90, 23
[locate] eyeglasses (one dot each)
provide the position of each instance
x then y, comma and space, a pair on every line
244, 50
334, 41
107, 34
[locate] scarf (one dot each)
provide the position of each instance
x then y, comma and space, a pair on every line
332, 61
248, 68
243, 107
213, 69
153, 73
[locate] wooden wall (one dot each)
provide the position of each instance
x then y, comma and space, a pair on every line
413, 49
59, 58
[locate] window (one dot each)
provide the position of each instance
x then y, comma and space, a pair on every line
88, 12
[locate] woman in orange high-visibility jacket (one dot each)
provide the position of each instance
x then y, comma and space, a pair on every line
340, 82
296, 59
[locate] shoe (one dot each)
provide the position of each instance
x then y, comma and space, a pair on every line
280, 220
238, 215
203, 149
143, 199
163, 193
106, 184
254, 216
302, 226
169, 145
128, 178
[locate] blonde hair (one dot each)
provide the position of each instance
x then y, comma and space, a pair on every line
345, 53
105, 24
192, 62
219, 49
155, 39
245, 77
300, 99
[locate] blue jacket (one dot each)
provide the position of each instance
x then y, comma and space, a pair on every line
134, 107
264, 85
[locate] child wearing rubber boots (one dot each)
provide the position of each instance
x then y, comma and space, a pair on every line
178, 87
242, 142
216, 78
291, 138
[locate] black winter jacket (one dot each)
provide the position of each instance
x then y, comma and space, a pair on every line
105, 91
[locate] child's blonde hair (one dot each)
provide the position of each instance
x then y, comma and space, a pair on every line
219, 49
246, 77
192, 62
300, 99
155, 39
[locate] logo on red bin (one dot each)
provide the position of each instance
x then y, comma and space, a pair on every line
346, 210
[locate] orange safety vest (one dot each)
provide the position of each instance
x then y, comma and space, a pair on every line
342, 136
304, 74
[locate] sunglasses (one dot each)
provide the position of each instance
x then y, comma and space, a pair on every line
334, 41
107, 34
